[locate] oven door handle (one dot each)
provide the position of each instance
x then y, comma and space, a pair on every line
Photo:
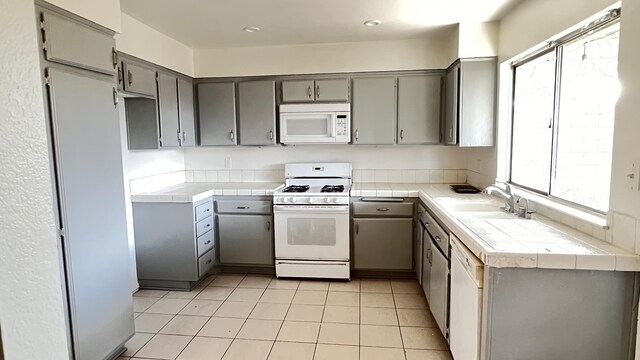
288, 209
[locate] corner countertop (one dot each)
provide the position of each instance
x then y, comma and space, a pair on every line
502, 240
192, 192
496, 238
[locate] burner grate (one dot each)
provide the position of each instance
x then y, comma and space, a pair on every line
296, 188
332, 189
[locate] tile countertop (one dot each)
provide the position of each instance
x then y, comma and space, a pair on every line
191, 192
503, 240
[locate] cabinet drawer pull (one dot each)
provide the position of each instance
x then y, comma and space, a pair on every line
208, 262
208, 242
438, 239
129, 77
232, 136
357, 229
207, 225
317, 91
207, 210
268, 225
356, 134
401, 134
271, 134
243, 207
309, 92
382, 209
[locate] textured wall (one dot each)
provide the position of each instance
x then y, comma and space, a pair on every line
31, 307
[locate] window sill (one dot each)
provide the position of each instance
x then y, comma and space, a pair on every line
591, 217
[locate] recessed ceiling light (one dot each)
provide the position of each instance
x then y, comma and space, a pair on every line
251, 29
372, 22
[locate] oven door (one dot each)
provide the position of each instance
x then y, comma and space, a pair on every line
308, 127
311, 232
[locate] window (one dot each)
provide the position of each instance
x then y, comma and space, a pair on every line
562, 121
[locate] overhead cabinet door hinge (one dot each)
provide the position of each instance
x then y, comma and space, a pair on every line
43, 31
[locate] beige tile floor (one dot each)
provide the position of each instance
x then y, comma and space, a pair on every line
258, 317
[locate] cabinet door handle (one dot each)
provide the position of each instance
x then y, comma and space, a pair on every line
208, 242
357, 228
129, 77
317, 91
207, 210
438, 239
268, 225
309, 92
382, 209
232, 136
184, 136
114, 57
430, 256
271, 134
116, 98
179, 137
356, 134
119, 75
208, 262
401, 134
207, 225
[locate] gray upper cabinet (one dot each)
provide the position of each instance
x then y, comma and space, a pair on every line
257, 112
139, 79
332, 90
168, 111
374, 111
318, 90
470, 102
419, 103
143, 132
451, 105
68, 42
186, 113
297, 91
217, 113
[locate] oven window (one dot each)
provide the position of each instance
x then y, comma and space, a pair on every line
306, 231
308, 126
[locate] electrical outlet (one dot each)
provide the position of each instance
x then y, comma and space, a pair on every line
633, 177
227, 163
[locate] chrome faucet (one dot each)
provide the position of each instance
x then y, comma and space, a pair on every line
505, 195
509, 200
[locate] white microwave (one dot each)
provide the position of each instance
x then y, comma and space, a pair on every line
315, 123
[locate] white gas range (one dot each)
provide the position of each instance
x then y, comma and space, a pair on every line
312, 221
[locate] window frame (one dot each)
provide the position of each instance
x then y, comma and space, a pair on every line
609, 19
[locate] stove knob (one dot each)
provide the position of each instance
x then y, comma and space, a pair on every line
293, 200
285, 200
336, 200
327, 200
310, 200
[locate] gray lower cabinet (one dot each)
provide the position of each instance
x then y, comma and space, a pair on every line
175, 243
470, 102
245, 232
383, 236
186, 113
139, 79
217, 113
257, 112
419, 105
374, 111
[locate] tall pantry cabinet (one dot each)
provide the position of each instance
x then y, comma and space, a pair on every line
78, 62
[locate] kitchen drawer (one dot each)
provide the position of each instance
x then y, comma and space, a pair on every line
439, 235
204, 226
244, 206
206, 262
205, 242
383, 209
204, 210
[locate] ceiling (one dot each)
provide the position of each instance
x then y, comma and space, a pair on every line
219, 23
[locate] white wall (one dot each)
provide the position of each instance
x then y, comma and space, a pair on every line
31, 297
625, 203
141, 164
477, 39
324, 58
535, 21
140, 40
103, 12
